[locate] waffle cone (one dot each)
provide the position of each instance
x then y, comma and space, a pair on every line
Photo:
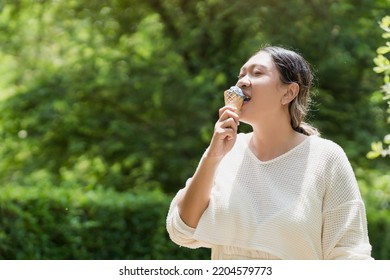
233, 99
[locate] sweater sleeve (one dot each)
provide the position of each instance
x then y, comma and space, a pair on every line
178, 231
344, 232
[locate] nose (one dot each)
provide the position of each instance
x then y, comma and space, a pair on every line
244, 82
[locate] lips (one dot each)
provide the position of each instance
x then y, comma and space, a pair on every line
247, 97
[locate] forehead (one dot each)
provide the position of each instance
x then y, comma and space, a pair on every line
261, 59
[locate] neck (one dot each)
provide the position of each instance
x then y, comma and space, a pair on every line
270, 141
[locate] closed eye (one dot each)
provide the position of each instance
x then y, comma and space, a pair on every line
257, 71
240, 76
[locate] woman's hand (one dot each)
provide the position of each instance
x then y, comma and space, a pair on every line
225, 132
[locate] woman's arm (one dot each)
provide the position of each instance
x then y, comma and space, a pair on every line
344, 233
196, 195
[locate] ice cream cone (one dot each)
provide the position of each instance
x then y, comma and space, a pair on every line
234, 97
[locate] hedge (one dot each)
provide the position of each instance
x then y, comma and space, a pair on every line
375, 188
80, 224
379, 233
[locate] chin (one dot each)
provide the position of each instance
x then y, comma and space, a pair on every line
245, 120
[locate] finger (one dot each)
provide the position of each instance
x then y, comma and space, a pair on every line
226, 129
225, 108
225, 133
226, 114
229, 123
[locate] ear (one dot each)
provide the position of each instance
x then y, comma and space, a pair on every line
291, 93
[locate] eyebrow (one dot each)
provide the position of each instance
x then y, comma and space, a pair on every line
254, 65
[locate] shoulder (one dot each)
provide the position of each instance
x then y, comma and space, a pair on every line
327, 143
329, 156
333, 159
326, 147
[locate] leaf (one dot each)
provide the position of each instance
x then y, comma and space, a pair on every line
379, 69
385, 23
372, 155
383, 50
381, 60
377, 147
386, 89
386, 140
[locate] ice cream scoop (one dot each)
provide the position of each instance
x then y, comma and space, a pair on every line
234, 97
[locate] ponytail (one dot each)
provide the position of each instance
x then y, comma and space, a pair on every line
307, 129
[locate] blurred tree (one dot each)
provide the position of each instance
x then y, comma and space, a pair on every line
383, 67
124, 93
338, 38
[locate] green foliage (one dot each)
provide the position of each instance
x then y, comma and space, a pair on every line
103, 111
379, 232
43, 222
375, 188
99, 98
383, 67
124, 94
70, 223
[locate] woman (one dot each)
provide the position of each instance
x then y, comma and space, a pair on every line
279, 192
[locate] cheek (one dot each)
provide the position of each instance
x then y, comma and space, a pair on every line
270, 98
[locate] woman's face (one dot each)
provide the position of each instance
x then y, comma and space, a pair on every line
259, 80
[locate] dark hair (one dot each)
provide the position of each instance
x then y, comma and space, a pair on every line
293, 68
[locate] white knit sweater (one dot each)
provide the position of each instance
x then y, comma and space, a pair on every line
304, 204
